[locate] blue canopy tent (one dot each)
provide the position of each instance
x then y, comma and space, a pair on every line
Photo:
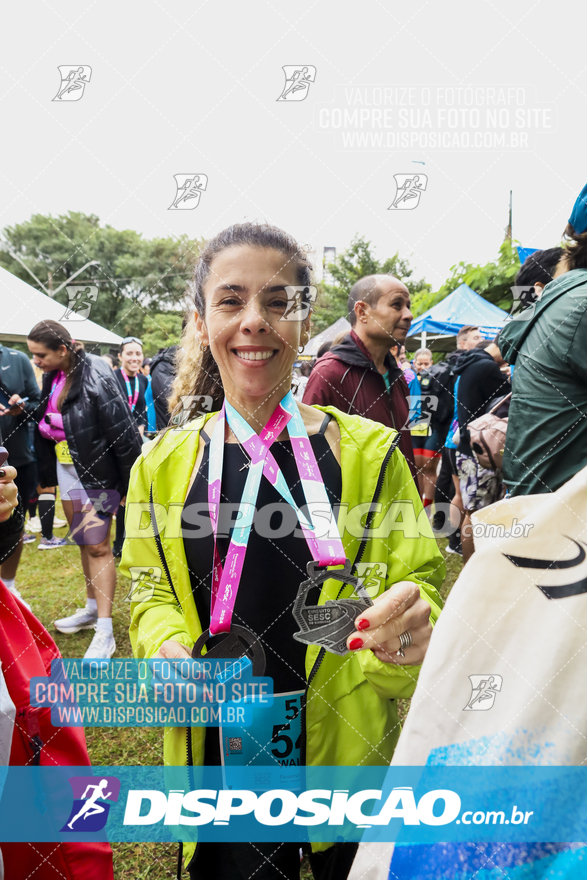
438, 327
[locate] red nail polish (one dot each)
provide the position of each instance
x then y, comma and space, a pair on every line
355, 644
363, 623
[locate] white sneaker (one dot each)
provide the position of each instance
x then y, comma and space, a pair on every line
16, 593
101, 646
51, 543
33, 525
82, 619
59, 523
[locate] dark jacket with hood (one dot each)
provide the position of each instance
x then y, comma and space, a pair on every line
546, 441
17, 377
162, 376
103, 437
481, 381
347, 378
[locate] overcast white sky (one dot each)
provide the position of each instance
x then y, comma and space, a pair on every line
182, 87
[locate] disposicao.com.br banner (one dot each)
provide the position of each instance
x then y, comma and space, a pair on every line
403, 804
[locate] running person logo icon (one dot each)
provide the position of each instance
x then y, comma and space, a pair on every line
484, 690
91, 515
297, 82
372, 576
74, 78
189, 188
409, 190
89, 811
81, 298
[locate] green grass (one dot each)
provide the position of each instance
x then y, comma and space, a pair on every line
52, 582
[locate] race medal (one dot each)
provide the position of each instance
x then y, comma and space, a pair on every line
328, 625
239, 642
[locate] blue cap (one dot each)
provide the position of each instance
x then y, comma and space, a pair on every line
578, 218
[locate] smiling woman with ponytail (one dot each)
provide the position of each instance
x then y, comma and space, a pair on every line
251, 315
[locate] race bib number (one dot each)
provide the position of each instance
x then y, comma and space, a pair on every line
273, 739
62, 452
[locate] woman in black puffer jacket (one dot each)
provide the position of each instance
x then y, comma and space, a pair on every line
86, 441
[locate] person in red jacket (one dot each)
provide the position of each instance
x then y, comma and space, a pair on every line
359, 375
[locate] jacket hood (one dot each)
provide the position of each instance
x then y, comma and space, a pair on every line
352, 351
470, 357
166, 355
454, 356
517, 329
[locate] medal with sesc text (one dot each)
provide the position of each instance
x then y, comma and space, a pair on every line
329, 625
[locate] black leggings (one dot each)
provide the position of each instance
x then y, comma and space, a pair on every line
445, 488
267, 861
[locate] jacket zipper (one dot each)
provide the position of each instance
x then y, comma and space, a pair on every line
161, 554
159, 545
358, 558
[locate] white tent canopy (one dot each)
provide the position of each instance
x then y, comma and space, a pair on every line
22, 307
327, 335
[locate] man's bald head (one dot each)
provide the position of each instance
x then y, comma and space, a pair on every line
368, 290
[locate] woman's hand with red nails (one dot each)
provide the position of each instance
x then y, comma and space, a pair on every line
398, 610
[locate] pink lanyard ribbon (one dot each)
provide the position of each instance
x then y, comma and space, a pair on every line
325, 551
132, 399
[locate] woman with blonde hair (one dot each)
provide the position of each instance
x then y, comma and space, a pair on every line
334, 694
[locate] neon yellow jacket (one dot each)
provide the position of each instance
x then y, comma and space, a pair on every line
351, 714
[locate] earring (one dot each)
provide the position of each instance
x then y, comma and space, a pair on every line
301, 348
203, 347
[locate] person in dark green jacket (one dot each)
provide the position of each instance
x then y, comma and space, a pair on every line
546, 344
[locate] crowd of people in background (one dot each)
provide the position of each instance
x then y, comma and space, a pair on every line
76, 423
72, 431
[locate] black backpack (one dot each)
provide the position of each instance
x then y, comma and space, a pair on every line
437, 388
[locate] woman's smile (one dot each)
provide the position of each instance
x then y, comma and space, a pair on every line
254, 356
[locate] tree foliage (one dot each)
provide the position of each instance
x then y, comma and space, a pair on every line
137, 278
357, 261
493, 281
161, 331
